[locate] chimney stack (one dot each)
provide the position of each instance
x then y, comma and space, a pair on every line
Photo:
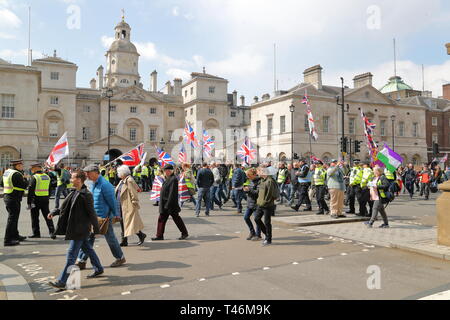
362, 80
242, 101
168, 88
313, 76
446, 91
100, 78
93, 83
234, 98
177, 83
154, 82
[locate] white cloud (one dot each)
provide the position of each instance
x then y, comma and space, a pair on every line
178, 73
18, 56
176, 11
7, 36
239, 64
8, 19
107, 41
147, 50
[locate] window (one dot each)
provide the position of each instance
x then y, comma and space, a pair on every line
282, 124
54, 100
112, 109
172, 114
53, 129
269, 129
435, 138
401, 129
383, 128
434, 121
415, 131
85, 134
124, 81
133, 133
7, 106
212, 89
212, 111
5, 158
112, 131
152, 134
185, 113
185, 93
170, 133
233, 114
152, 110
192, 91
54, 75
351, 125
306, 123
192, 111
133, 109
258, 129
86, 108
325, 122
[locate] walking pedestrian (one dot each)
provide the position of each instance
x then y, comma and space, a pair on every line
237, 183
378, 186
128, 199
336, 187
63, 177
106, 207
425, 178
38, 201
190, 181
293, 186
77, 219
214, 191
282, 176
205, 180
364, 198
14, 185
304, 176
168, 205
410, 178
319, 182
354, 189
252, 196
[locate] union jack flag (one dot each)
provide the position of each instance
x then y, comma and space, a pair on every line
208, 144
134, 157
164, 158
182, 156
312, 129
190, 135
247, 152
156, 188
444, 159
183, 191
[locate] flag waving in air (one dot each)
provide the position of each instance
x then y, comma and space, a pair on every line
182, 156
189, 134
390, 158
208, 144
312, 129
247, 153
164, 158
134, 157
59, 152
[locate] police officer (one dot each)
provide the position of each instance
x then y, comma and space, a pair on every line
320, 182
63, 179
281, 181
304, 176
354, 188
367, 176
38, 200
14, 185
145, 178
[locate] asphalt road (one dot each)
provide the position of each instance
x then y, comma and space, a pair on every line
216, 262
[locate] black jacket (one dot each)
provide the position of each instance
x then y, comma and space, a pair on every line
205, 178
77, 215
168, 202
253, 193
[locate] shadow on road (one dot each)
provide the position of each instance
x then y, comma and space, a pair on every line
158, 265
305, 241
117, 281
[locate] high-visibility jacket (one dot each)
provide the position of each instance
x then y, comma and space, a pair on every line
8, 186
382, 194
187, 179
230, 175
319, 176
282, 175
144, 171
355, 176
112, 173
42, 185
389, 175
60, 176
366, 177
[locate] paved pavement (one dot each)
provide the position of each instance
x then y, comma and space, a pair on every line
216, 262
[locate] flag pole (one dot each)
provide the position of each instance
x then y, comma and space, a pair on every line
109, 163
310, 148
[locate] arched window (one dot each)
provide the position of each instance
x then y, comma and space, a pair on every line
4, 159
124, 81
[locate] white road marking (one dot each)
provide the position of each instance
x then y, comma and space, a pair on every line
365, 250
1, 254
36, 252
294, 262
444, 295
218, 234
125, 293
165, 286
15, 285
237, 232
344, 254
320, 258
266, 268
202, 279
235, 273
97, 246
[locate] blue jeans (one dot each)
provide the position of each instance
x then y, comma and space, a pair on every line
221, 193
237, 195
283, 188
62, 189
113, 244
203, 192
215, 198
247, 215
74, 248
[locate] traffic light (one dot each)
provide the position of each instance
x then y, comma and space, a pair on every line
344, 144
357, 146
295, 156
435, 148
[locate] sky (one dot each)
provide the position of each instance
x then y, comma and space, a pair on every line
235, 39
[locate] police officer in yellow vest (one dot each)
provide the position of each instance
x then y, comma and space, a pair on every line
14, 185
63, 179
354, 188
38, 200
320, 175
145, 176
367, 176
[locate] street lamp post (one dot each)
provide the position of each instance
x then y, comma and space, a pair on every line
393, 132
162, 143
292, 110
109, 95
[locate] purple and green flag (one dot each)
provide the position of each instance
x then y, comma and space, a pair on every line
390, 158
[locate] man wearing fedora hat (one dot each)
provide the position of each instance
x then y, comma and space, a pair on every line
38, 200
14, 185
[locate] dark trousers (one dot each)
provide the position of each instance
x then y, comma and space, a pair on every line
123, 231
13, 208
145, 183
410, 187
320, 197
425, 189
363, 200
378, 207
265, 227
162, 220
303, 196
352, 194
42, 206
249, 223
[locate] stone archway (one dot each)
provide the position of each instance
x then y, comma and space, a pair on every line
211, 124
115, 153
416, 160
53, 124
282, 156
8, 153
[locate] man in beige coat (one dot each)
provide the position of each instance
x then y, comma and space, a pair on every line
128, 200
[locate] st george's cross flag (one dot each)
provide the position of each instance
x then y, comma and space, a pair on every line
134, 157
189, 135
312, 129
59, 152
182, 156
247, 152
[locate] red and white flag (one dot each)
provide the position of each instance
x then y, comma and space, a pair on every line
312, 129
59, 152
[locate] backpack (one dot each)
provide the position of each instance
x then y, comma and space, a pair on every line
65, 177
394, 187
276, 192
